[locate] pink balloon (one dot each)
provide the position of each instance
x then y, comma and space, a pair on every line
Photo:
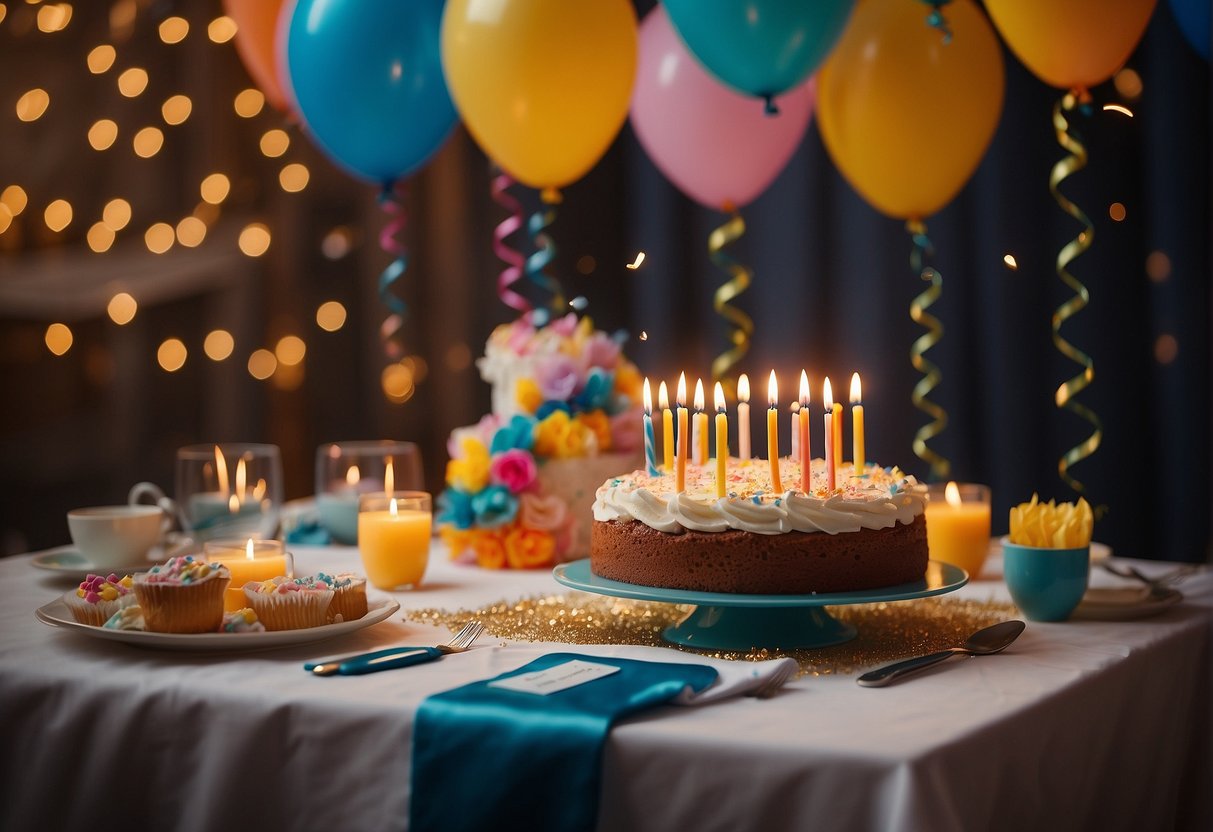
716, 145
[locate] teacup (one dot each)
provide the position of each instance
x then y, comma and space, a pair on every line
1047, 584
112, 537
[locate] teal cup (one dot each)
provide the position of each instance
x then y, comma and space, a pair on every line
1047, 584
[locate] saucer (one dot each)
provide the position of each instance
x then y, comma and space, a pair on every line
1124, 603
70, 563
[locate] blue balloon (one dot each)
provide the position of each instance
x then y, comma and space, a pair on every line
760, 47
367, 80
1195, 18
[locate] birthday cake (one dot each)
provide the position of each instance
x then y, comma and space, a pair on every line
520, 483
869, 532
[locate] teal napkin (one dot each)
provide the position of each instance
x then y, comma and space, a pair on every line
490, 758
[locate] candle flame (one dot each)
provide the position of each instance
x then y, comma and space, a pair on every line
827, 394
241, 478
648, 398
259, 490
221, 470
856, 390
952, 494
743, 388
233, 504
663, 396
248, 549
682, 389
392, 507
773, 391
804, 389
353, 475
389, 480
718, 396
698, 395
794, 407
1011, 262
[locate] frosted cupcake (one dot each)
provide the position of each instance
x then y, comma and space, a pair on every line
98, 598
349, 596
127, 618
290, 603
184, 595
242, 621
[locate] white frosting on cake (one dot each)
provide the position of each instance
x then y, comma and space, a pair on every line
879, 499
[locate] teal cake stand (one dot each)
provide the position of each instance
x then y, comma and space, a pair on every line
723, 621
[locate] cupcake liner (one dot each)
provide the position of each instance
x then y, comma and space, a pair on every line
289, 610
182, 608
349, 602
94, 614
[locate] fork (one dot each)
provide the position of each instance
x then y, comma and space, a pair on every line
1158, 585
394, 657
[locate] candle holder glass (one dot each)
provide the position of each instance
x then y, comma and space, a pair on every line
959, 533
394, 532
248, 560
347, 470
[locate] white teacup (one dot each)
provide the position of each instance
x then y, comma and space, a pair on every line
117, 536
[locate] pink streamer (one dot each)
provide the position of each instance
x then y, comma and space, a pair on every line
391, 240
512, 273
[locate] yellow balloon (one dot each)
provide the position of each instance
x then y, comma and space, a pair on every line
905, 116
543, 85
1072, 44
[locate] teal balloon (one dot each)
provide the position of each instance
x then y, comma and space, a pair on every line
760, 47
367, 79
1195, 19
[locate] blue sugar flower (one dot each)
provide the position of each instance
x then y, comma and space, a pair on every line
596, 395
519, 432
455, 508
549, 407
494, 506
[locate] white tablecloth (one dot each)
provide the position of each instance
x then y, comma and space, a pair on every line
1080, 725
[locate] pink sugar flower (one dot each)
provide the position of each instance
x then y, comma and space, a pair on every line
545, 513
601, 350
565, 326
515, 469
557, 377
626, 430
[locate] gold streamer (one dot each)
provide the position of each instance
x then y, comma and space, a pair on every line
739, 281
931, 375
1064, 397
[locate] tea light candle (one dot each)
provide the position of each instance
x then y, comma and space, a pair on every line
667, 428
773, 433
699, 435
722, 442
743, 418
680, 481
253, 560
395, 543
827, 396
857, 425
958, 526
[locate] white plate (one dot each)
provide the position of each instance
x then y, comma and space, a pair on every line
56, 614
70, 563
1124, 603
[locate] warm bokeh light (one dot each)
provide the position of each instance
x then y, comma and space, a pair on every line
1116, 211
122, 18
287, 378
116, 214
290, 350
54, 17
586, 264
1158, 266
215, 188
397, 383
337, 243
458, 357
33, 104
294, 177
1166, 348
103, 134
100, 237
1128, 84
1010, 261
249, 102
174, 29
176, 109
274, 143
171, 355
330, 316
417, 366
122, 308
191, 231
58, 215
218, 345
6, 217
101, 58
15, 198
159, 238
221, 29
132, 82
254, 239
147, 142
3, 12
261, 364
58, 338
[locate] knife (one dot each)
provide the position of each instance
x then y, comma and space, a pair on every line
388, 659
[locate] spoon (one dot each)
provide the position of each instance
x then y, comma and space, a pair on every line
982, 643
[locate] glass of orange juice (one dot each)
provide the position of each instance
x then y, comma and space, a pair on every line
394, 537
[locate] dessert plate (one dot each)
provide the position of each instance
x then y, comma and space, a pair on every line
56, 614
72, 564
1124, 603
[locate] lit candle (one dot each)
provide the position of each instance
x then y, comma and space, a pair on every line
806, 456
667, 427
743, 418
773, 433
794, 407
253, 560
958, 526
395, 544
722, 441
680, 481
650, 455
389, 477
828, 396
699, 433
857, 425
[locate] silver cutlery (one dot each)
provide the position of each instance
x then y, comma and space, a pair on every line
394, 657
984, 642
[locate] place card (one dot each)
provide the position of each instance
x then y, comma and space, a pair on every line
558, 678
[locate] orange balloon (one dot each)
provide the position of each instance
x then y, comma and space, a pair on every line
256, 28
1072, 44
905, 116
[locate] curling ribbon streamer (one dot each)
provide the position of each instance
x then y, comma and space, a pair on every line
931, 376
391, 201
1064, 397
544, 254
739, 280
511, 256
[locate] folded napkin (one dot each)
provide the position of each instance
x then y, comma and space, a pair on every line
534, 760
309, 533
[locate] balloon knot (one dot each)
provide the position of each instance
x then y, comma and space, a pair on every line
769, 106
551, 196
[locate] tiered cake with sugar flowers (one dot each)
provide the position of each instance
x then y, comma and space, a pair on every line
522, 481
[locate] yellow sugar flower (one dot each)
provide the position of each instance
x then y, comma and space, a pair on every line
551, 432
598, 423
628, 381
526, 393
471, 473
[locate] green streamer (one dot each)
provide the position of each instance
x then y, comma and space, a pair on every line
931, 375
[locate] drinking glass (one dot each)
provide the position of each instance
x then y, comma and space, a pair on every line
346, 470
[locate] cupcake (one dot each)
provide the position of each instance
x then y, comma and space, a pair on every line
242, 621
349, 596
290, 603
183, 595
98, 598
127, 618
